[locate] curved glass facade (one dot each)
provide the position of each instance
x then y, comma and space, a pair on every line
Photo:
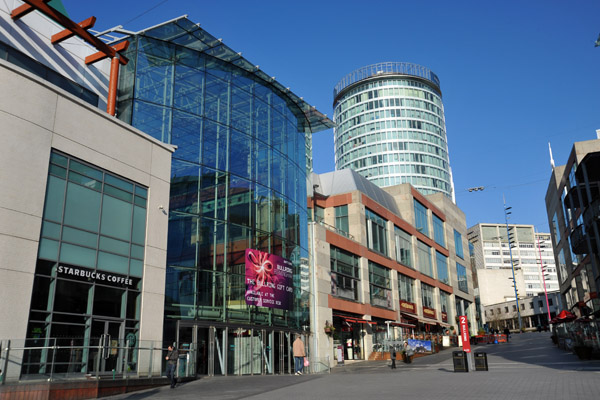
238, 177
390, 127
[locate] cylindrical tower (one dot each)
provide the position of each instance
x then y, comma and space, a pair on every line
390, 127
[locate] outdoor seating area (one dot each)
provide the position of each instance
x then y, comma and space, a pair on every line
579, 335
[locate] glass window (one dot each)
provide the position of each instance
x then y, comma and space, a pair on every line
403, 247
341, 220
421, 220
461, 273
427, 295
458, 245
319, 214
376, 232
344, 274
444, 301
405, 288
77, 236
86, 209
240, 152
82, 209
187, 89
116, 218
48, 249
113, 263
442, 267
107, 301
438, 231
380, 285
71, 297
55, 194
424, 259
155, 120
562, 266
77, 255
555, 228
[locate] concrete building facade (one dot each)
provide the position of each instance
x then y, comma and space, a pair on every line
64, 277
390, 263
532, 257
572, 201
533, 310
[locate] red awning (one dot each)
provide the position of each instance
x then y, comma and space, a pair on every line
566, 316
355, 320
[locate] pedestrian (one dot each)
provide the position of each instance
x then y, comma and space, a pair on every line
299, 355
408, 353
172, 357
507, 333
393, 356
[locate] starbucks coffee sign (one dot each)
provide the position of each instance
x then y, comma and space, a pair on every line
94, 275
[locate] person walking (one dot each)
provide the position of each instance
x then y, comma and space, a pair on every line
172, 357
507, 333
393, 356
299, 355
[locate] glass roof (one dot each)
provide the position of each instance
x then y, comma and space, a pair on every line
184, 32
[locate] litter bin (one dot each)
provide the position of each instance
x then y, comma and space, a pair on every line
459, 359
481, 361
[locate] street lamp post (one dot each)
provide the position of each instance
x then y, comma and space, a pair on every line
543, 267
512, 264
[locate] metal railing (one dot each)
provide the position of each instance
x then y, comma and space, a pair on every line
115, 360
368, 71
336, 230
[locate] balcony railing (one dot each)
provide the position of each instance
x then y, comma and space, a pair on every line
591, 214
336, 230
578, 240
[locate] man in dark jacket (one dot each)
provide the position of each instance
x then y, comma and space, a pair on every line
507, 333
172, 356
393, 356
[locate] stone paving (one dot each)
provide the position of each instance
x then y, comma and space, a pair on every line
529, 367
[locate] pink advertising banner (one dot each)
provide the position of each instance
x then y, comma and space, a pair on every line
269, 280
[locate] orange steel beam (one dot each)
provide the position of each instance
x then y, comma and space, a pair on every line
72, 26
102, 55
22, 11
111, 98
67, 33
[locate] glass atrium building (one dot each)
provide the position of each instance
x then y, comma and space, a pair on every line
238, 181
390, 127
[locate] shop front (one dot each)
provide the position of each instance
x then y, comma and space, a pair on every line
85, 310
219, 349
350, 333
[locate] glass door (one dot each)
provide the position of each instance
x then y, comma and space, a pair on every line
106, 354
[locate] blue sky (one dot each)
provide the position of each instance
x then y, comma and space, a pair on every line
515, 75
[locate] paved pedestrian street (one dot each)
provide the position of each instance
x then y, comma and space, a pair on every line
529, 367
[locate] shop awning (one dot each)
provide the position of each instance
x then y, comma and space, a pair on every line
409, 316
403, 325
423, 319
355, 320
429, 321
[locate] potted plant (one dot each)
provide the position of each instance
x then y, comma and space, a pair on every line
329, 328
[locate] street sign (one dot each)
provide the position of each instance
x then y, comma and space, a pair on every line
464, 333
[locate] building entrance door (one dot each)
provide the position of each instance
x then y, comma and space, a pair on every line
106, 350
